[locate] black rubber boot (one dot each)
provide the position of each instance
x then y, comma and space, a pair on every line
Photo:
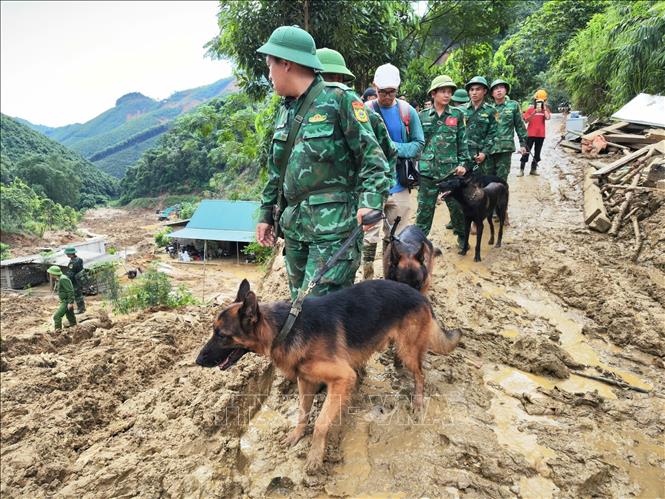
533, 171
522, 165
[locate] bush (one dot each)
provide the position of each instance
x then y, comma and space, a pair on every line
4, 251
152, 289
161, 238
262, 254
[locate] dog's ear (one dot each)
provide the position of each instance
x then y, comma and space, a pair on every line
423, 253
249, 312
242, 291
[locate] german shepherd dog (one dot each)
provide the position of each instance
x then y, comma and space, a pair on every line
409, 258
333, 335
480, 197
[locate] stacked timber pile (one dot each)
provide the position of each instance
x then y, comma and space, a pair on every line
630, 188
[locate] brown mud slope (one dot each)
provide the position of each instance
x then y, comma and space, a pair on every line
119, 408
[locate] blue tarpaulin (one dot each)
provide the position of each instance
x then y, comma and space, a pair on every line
221, 220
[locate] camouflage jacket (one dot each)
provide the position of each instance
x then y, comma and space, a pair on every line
336, 166
480, 128
74, 266
446, 147
508, 121
65, 290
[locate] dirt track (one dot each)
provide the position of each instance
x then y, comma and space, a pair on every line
119, 409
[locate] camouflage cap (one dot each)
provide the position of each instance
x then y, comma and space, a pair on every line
477, 80
499, 81
333, 62
442, 81
294, 44
461, 96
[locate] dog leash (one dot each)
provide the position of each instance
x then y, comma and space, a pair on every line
296, 307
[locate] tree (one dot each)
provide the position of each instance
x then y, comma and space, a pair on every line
366, 33
53, 176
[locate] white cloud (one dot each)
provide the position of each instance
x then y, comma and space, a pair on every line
66, 62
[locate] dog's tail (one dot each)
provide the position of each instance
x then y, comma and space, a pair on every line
444, 341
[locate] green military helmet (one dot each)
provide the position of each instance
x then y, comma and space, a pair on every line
333, 62
460, 96
499, 81
477, 80
54, 270
70, 251
442, 81
294, 44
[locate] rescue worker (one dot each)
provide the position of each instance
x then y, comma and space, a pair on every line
460, 98
335, 70
508, 121
446, 152
480, 124
66, 295
328, 176
74, 270
406, 133
535, 117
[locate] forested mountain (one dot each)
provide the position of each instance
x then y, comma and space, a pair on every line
51, 169
219, 146
116, 138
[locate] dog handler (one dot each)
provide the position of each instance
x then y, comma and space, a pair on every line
66, 295
329, 174
446, 151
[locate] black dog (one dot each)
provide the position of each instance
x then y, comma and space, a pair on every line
480, 197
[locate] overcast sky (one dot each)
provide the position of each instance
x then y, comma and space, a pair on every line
67, 62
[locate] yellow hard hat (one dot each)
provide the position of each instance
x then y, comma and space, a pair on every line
540, 95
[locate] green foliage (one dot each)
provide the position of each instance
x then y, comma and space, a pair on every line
363, 32
161, 238
152, 289
540, 41
187, 210
262, 254
50, 168
104, 277
23, 210
225, 140
5, 253
618, 55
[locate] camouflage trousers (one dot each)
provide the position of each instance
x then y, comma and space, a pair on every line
62, 311
499, 165
427, 195
304, 259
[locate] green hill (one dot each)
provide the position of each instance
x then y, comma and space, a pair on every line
115, 139
42, 163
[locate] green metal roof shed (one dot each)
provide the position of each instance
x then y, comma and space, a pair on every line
221, 220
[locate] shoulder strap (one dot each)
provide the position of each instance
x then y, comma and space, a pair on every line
405, 114
295, 127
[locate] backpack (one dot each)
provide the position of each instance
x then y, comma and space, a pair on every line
408, 174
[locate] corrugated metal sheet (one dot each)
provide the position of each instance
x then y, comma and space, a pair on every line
643, 109
213, 235
221, 220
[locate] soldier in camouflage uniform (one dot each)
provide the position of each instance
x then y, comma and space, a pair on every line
508, 121
480, 124
446, 152
460, 98
335, 70
336, 172
74, 269
66, 295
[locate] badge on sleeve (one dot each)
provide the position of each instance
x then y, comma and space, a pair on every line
451, 121
360, 112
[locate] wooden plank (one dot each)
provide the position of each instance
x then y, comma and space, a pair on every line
595, 215
623, 161
571, 145
660, 147
602, 131
631, 138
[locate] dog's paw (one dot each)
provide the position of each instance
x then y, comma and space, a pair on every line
498, 245
476, 259
293, 438
314, 462
490, 242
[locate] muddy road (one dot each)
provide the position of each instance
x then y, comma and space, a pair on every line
116, 407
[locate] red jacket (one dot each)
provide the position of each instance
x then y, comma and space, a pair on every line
536, 125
